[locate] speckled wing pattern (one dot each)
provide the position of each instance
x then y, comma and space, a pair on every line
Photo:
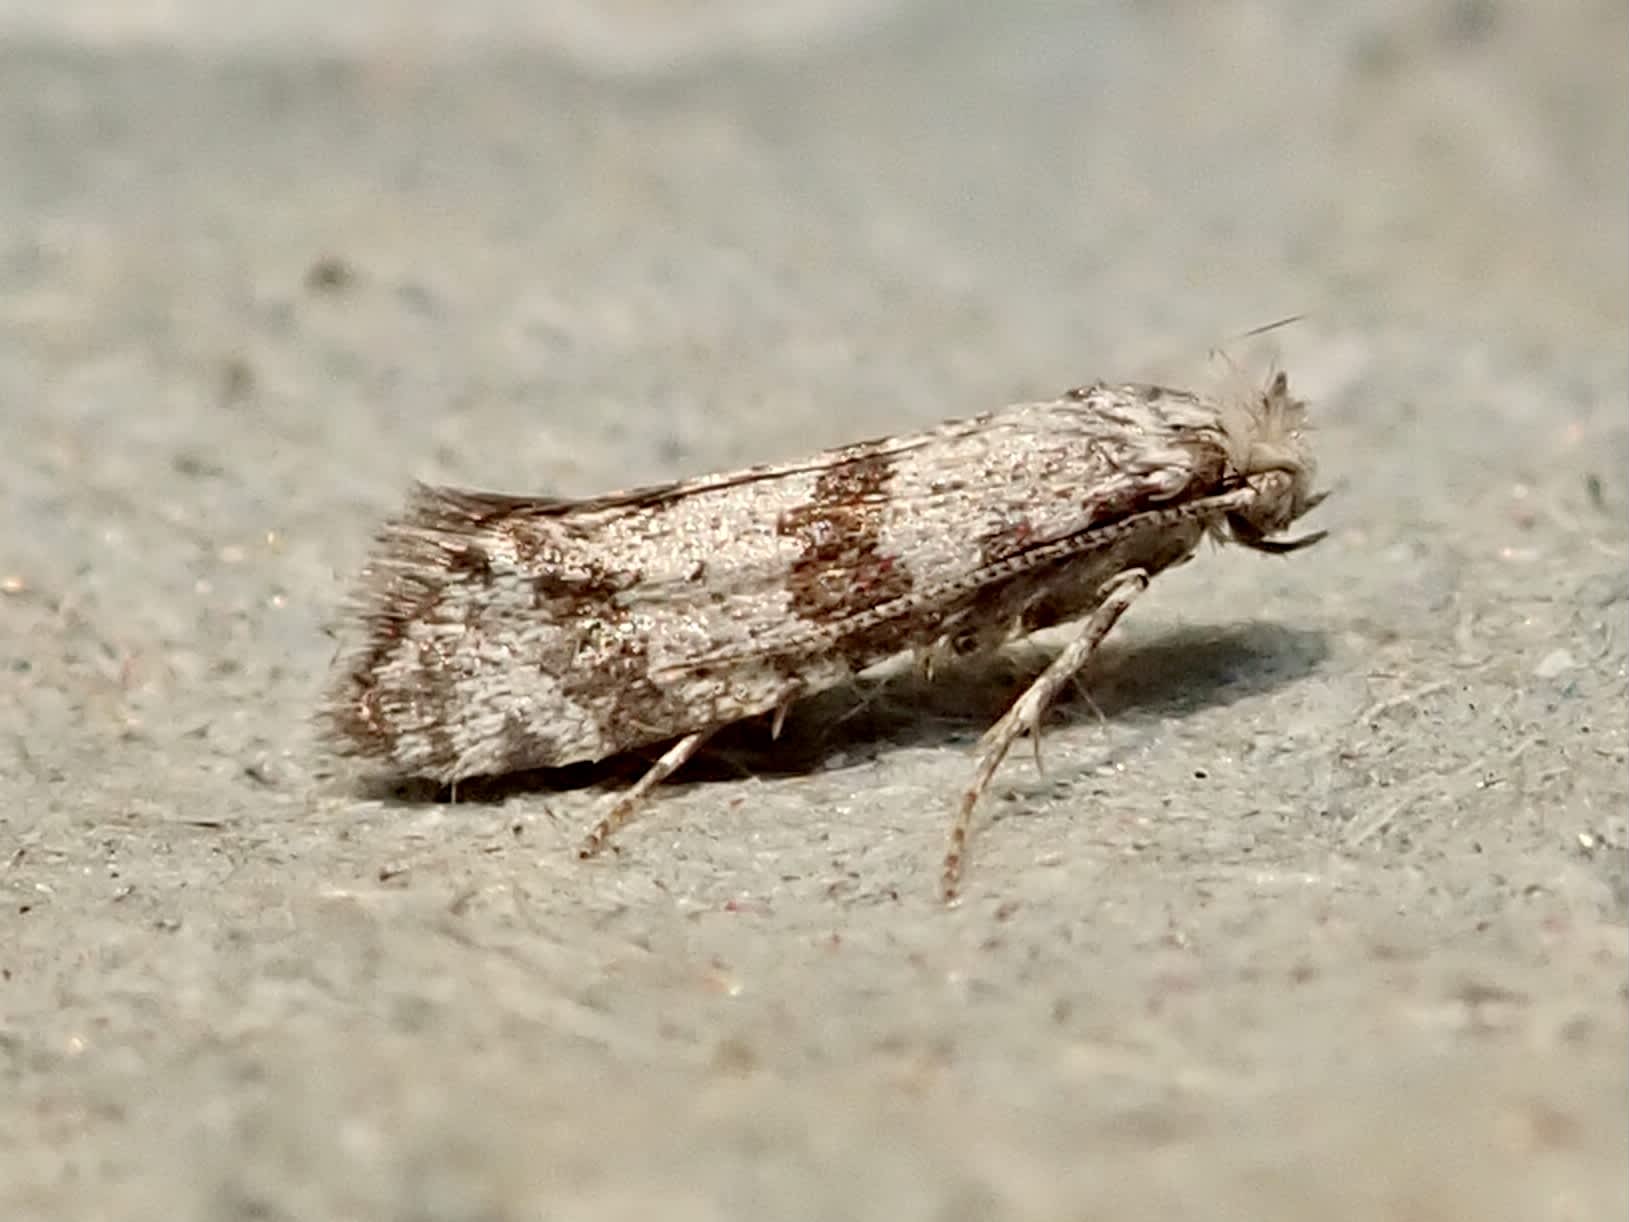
499, 633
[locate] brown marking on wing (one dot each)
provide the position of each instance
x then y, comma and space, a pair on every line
469, 561
401, 685
394, 596
842, 567
369, 718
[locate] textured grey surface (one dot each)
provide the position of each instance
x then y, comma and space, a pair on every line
1325, 918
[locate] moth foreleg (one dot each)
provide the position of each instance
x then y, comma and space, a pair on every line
622, 810
1026, 712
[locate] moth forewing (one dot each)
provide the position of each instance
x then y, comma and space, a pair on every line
496, 633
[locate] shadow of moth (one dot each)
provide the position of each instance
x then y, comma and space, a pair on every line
500, 633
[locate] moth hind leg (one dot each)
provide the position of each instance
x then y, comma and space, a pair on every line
1026, 713
674, 758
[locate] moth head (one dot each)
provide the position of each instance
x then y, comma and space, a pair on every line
1271, 458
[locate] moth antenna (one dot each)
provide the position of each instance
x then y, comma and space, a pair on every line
1287, 320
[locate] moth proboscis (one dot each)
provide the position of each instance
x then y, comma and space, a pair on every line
501, 633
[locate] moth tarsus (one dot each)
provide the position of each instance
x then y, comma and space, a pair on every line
497, 633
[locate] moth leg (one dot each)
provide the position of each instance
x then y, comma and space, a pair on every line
779, 722
1026, 713
622, 810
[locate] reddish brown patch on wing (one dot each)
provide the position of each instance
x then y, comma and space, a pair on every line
842, 568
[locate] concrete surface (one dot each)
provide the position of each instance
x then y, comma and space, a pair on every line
1325, 917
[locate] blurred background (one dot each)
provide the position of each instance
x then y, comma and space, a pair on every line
1325, 917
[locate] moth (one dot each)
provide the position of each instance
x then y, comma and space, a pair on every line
497, 633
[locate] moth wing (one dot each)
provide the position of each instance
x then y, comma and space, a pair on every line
436, 505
